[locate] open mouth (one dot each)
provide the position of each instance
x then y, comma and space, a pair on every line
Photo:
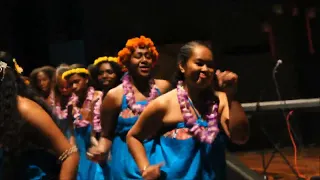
202, 76
144, 68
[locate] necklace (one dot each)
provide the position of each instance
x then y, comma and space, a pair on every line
204, 131
129, 93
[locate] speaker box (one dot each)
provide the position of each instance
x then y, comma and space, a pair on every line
236, 170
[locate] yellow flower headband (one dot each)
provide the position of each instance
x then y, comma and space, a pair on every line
105, 58
75, 71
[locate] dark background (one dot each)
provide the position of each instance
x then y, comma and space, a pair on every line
49, 32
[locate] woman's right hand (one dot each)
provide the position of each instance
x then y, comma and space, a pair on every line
152, 172
96, 155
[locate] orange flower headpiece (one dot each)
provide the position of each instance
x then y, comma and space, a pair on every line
132, 44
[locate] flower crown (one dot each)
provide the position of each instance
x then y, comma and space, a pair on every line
132, 44
75, 71
105, 58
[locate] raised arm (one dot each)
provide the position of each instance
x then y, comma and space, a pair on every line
238, 124
149, 122
40, 120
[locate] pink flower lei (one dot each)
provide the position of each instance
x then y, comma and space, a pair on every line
129, 93
96, 111
62, 114
204, 134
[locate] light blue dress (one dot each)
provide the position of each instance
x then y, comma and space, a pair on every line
190, 158
122, 164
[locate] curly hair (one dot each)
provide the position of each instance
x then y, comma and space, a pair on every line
11, 121
94, 71
125, 54
48, 70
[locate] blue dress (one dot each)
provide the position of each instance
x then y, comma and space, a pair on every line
87, 170
189, 158
122, 164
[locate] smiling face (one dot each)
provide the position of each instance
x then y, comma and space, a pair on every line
106, 75
199, 68
141, 62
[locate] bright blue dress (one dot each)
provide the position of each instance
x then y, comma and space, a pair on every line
189, 158
87, 170
122, 164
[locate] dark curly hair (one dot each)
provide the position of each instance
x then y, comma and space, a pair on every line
48, 70
11, 122
94, 72
184, 55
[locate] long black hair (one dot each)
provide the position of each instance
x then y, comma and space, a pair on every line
12, 86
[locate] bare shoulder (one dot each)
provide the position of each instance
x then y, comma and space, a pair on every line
114, 96
163, 85
25, 106
165, 100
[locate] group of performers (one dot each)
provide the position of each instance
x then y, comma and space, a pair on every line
114, 120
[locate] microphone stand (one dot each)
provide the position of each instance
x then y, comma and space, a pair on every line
276, 148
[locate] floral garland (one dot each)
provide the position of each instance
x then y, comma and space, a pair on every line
129, 93
96, 111
105, 58
74, 71
62, 114
132, 44
205, 131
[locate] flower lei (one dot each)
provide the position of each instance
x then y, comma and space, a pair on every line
62, 114
204, 131
129, 93
96, 111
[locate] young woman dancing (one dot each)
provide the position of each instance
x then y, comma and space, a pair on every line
31, 140
122, 106
189, 117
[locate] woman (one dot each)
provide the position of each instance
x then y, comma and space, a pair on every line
193, 144
106, 73
87, 118
122, 106
32, 141
42, 81
62, 99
